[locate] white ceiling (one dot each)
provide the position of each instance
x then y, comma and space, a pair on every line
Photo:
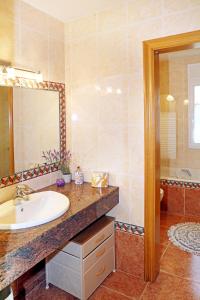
66, 10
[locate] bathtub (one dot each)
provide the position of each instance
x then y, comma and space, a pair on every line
180, 181
181, 196
180, 174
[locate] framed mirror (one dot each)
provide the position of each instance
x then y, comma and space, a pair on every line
32, 121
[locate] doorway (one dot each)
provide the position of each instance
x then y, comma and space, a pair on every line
151, 51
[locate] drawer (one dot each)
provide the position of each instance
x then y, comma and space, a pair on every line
67, 260
90, 238
64, 278
94, 277
100, 251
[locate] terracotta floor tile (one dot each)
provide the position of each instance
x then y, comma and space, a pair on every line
125, 284
163, 235
163, 248
170, 287
104, 293
191, 219
166, 220
178, 262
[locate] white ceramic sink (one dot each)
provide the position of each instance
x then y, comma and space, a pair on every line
41, 208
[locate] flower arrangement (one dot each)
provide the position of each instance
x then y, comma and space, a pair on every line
53, 156
65, 162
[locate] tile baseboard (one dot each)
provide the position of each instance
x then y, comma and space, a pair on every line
130, 228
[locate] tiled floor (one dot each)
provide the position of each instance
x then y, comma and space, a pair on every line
179, 278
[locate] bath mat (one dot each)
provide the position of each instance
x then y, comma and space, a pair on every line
186, 236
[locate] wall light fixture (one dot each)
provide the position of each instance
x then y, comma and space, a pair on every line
10, 73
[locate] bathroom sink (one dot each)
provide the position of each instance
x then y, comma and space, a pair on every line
40, 208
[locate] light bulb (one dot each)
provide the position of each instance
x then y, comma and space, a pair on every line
10, 73
170, 98
109, 90
119, 91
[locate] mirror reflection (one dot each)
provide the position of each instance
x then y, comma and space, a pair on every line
29, 125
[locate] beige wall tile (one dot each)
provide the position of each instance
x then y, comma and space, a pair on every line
112, 19
182, 22
194, 2
34, 51
83, 62
171, 6
119, 58
82, 28
143, 10
34, 18
56, 29
56, 65
112, 53
26, 34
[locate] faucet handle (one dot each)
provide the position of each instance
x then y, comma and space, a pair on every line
23, 189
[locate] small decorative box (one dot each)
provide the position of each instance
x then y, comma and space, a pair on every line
60, 182
99, 179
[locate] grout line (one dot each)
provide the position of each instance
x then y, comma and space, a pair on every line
130, 276
180, 277
168, 244
147, 284
113, 290
134, 276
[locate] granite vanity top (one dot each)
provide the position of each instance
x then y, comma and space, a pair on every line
20, 250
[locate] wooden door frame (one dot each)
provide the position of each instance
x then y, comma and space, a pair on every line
151, 51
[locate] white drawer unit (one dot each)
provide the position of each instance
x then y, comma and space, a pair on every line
81, 266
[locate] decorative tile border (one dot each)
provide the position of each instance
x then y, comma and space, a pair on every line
44, 169
180, 183
129, 228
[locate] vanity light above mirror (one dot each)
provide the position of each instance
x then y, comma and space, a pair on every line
11, 73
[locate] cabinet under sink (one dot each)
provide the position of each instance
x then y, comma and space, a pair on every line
82, 265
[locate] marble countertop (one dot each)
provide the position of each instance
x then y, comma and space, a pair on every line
20, 250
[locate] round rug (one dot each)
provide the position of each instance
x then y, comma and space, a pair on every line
186, 236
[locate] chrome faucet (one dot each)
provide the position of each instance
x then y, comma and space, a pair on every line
22, 192
187, 171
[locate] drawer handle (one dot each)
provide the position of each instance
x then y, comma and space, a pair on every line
102, 238
101, 271
101, 252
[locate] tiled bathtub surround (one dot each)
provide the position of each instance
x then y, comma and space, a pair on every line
181, 198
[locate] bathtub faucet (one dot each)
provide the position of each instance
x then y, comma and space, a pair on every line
187, 171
